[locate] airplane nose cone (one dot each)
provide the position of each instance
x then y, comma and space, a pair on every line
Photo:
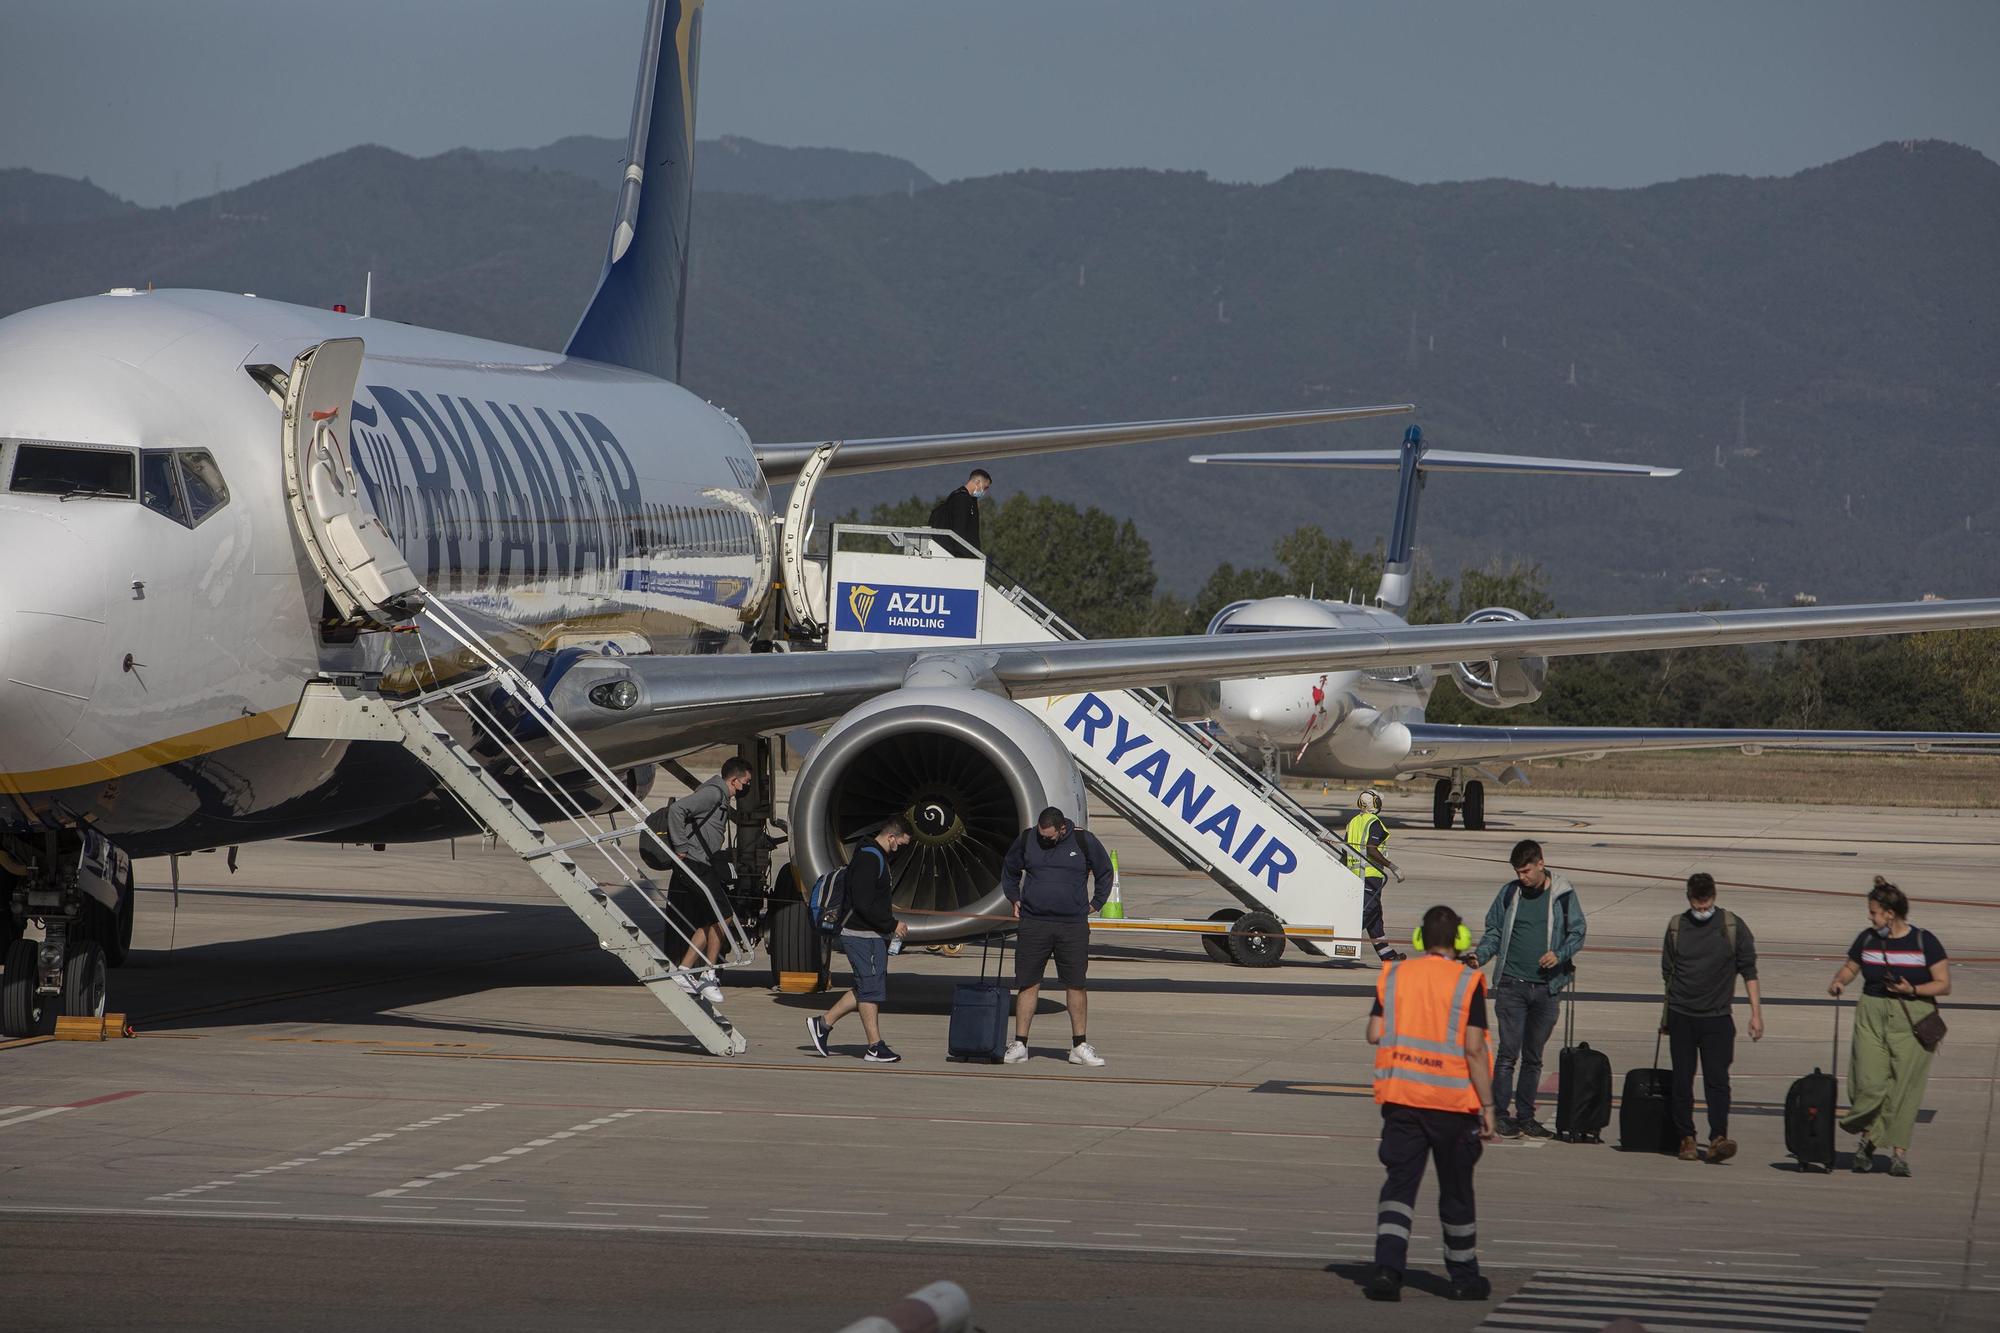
52, 634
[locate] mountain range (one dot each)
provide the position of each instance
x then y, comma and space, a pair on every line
1819, 352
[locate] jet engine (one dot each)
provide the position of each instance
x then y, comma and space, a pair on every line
968, 769
1502, 682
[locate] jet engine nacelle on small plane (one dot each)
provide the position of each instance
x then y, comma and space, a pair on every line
1506, 682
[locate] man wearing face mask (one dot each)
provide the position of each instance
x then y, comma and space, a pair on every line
959, 511
1705, 950
1048, 875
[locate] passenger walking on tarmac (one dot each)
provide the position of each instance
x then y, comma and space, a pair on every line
698, 830
1365, 834
1535, 928
1706, 949
959, 511
871, 920
1047, 875
1893, 1043
1433, 1082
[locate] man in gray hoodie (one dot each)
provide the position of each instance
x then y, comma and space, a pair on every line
698, 829
1535, 928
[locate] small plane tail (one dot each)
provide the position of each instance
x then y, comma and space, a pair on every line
1412, 462
635, 317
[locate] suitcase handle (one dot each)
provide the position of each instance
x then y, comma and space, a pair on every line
986, 947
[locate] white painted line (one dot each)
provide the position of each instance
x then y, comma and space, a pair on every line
987, 1217
1039, 1231
1181, 1226
1542, 1244
499, 1210
586, 1212
817, 1115
1128, 1235
684, 1207
829, 1212
471, 1198
413, 1207
9, 1110
788, 1221
35, 1115
1768, 1254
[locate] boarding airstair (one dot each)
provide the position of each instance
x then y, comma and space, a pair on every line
470, 716
1178, 785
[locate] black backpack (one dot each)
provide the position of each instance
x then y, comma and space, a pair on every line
941, 516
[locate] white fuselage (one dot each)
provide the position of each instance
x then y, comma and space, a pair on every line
1345, 724
149, 667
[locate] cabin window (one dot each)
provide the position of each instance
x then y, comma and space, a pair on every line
73, 471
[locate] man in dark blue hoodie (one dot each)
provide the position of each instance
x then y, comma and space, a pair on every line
1048, 876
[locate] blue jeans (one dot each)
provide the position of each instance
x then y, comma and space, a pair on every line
1527, 1015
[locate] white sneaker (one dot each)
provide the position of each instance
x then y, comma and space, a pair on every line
686, 981
711, 990
1085, 1055
1017, 1053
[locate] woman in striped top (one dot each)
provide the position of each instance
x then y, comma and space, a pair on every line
1898, 963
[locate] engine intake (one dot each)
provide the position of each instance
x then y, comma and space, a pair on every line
968, 769
1505, 682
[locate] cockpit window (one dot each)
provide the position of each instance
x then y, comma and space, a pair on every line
72, 472
202, 482
185, 485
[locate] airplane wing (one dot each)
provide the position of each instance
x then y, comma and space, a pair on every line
1442, 460
694, 699
782, 462
1437, 744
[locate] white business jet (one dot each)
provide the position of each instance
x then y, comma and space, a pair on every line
209, 501
1369, 723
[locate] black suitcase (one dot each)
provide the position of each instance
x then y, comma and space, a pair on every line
980, 1013
1645, 1112
1811, 1107
1583, 1086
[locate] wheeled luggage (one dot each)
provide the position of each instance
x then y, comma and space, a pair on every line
1811, 1107
1583, 1086
1645, 1111
980, 1012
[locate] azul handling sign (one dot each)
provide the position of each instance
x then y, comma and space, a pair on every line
889, 608
1227, 822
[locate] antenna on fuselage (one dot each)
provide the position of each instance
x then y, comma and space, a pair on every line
368, 294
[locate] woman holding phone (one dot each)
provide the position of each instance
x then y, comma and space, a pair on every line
1903, 970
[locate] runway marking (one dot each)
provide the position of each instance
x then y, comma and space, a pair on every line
292, 1164
509, 1154
1589, 1299
35, 1115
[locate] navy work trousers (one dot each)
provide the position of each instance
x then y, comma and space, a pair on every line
1410, 1136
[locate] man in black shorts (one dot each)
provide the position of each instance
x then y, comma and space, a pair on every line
698, 829
1048, 877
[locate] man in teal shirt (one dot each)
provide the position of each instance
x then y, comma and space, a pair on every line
1535, 927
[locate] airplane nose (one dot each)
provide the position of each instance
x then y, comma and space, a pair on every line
52, 634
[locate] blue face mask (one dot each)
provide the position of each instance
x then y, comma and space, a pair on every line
1701, 913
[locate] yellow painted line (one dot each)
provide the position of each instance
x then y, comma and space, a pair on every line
23, 1041
174, 749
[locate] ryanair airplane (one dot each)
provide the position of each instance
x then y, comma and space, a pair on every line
208, 500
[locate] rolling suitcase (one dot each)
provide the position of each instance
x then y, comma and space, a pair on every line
980, 1012
1811, 1106
1645, 1111
1583, 1086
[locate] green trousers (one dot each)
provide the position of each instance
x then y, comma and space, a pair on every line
1885, 1079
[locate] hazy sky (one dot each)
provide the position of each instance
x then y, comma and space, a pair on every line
152, 98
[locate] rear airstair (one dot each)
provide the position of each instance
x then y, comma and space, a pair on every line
1175, 783
498, 719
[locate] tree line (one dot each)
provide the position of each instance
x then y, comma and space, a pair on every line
1097, 572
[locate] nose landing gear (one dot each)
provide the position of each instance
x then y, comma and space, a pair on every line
62, 880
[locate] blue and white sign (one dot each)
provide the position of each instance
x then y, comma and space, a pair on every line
894, 608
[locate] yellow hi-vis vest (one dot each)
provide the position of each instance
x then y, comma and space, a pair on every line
1358, 829
1421, 1060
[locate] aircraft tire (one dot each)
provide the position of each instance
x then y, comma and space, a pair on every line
23, 1013
84, 987
1256, 939
118, 947
1441, 804
1217, 946
789, 937
1475, 805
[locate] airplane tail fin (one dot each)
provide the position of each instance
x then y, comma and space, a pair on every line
1412, 462
635, 317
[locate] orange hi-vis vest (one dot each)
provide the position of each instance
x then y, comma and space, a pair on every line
1421, 1059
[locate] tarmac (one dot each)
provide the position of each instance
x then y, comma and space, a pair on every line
405, 1087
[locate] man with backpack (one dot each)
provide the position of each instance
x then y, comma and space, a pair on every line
1706, 949
959, 511
1535, 929
697, 828
1047, 875
869, 921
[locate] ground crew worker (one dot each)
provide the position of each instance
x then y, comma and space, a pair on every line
1365, 834
1434, 1082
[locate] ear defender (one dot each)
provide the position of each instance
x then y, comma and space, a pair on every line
1460, 943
